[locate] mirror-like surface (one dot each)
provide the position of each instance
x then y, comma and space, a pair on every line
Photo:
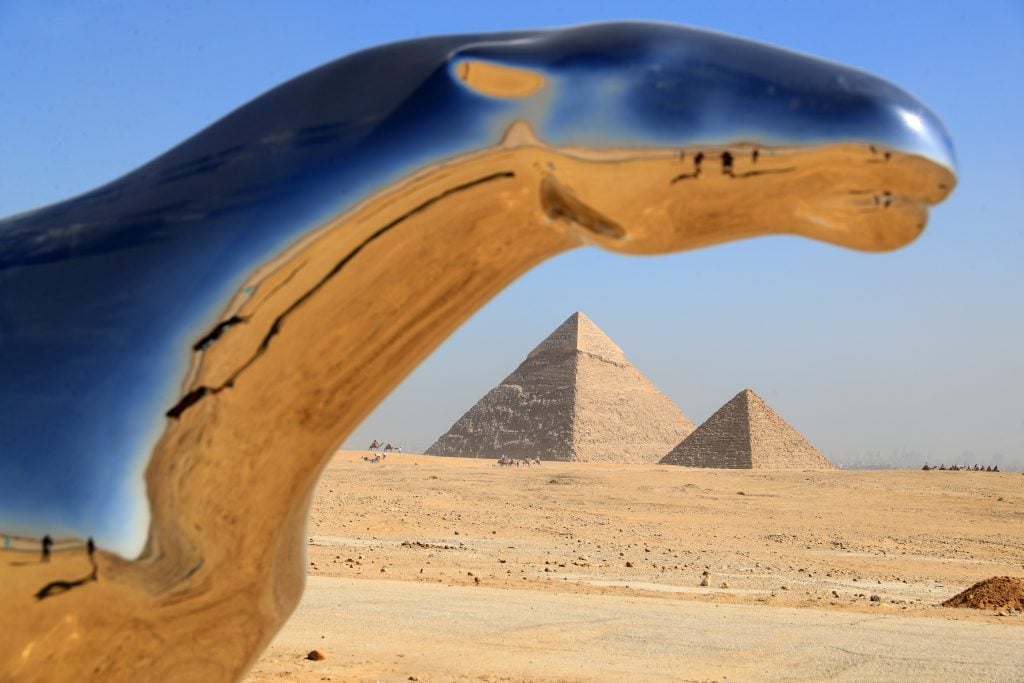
181, 350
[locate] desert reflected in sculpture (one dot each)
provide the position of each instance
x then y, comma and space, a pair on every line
183, 348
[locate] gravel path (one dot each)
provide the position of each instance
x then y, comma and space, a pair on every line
372, 629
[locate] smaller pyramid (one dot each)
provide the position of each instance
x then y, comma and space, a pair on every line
746, 433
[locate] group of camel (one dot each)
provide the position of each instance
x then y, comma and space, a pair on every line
383, 448
517, 462
964, 468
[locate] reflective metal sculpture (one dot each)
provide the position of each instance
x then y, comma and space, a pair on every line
182, 350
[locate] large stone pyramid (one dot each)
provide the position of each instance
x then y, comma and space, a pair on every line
575, 397
746, 433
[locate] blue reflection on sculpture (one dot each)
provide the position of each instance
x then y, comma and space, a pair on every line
103, 296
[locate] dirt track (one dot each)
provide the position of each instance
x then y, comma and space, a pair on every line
642, 537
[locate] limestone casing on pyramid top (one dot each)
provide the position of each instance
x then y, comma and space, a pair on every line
575, 397
579, 334
746, 433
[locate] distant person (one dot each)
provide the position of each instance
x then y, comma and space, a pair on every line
697, 161
47, 546
726, 163
754, 155
90, 549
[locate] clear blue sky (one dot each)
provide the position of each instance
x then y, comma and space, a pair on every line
915, 351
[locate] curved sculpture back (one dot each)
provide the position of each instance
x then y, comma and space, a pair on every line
184, 348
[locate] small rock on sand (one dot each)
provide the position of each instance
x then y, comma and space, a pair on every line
316, 656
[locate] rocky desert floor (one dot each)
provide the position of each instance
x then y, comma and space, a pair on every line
432, 568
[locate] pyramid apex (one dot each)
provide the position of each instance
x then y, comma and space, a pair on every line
576, 318
592, 340
580, 334
749, 399
741, 400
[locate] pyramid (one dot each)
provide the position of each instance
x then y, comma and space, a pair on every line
575, 397
746, 433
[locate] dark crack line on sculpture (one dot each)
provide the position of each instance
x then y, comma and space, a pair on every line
277, 287
739, 176
199, 393
59, 587
215, 334
223, 326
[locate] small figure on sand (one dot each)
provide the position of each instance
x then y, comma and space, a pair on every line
47, 546
90, 549
727, 163
505, 461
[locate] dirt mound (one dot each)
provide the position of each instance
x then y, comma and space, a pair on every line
999, 592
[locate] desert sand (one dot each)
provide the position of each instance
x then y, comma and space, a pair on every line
439, 568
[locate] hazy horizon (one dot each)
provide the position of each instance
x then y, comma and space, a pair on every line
913, 355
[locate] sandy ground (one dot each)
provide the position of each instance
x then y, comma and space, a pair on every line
429, 568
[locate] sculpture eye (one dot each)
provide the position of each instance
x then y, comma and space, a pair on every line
498, 80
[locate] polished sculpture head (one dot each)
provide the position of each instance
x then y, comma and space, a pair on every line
183, 348
670, 138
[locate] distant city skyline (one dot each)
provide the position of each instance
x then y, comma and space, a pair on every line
912, 355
